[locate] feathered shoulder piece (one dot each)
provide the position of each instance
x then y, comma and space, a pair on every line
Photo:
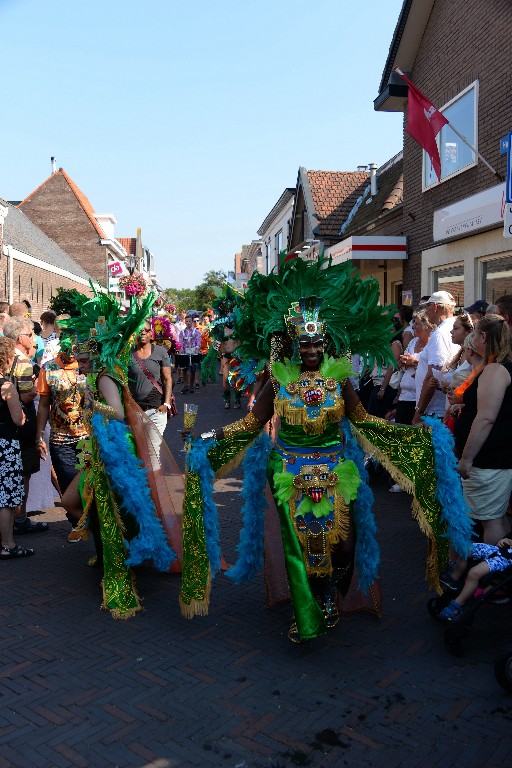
227, 302
99, 324
348, 309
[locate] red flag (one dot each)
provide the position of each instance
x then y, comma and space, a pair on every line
424, 122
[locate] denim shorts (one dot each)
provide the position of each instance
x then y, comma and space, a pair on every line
64, 460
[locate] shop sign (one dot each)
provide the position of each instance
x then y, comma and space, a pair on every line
470, 215
507, 228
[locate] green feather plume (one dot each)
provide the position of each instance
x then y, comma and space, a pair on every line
115, 337
355, 323
285, 372
349, 480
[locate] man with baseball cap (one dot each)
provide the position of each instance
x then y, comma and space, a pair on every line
477, 310
436, 355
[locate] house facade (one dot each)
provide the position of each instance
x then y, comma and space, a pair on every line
322, 202
372, 235
64, 213
32, 266
275, 231
455, 53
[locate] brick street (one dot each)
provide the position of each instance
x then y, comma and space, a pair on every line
228, 689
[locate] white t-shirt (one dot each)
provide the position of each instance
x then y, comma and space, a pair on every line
408, 382
440, 350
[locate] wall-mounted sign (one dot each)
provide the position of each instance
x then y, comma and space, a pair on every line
471, 214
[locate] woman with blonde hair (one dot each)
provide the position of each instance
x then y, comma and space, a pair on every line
483, 431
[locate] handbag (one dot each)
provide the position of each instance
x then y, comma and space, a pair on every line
173, 410
29, 429
396, 378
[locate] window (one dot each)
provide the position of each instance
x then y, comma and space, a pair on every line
455, 155
268, 258
278, 241
450, 279
496, 278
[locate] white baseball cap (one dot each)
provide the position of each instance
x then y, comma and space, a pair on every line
442, 297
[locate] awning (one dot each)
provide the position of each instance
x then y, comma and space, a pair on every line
368, 247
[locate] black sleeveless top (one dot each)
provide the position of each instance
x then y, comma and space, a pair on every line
8, 429
496, 452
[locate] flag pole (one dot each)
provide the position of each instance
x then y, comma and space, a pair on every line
468, 143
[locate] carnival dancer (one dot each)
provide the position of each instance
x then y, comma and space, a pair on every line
225, 341
305, 319
129, 490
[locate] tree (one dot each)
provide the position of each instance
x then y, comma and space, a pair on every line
205, 293
66, 301
182, 298
201, 296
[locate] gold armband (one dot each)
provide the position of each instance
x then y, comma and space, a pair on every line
107, 411
248, 424
361, 414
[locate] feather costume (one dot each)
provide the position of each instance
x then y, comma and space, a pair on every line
315, 473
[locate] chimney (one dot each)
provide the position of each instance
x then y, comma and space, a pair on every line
54, 165
373, 178
362, 168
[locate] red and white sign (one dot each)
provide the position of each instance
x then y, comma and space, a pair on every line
368, 247
116, 268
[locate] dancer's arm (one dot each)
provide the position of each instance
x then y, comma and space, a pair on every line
109, 391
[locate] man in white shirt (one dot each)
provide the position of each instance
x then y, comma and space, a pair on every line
438, 352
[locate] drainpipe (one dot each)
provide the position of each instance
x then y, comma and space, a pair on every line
11, 276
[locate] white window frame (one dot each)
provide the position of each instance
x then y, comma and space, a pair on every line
436, 284
425, 157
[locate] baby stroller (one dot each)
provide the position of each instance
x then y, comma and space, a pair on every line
496, 585
503, 670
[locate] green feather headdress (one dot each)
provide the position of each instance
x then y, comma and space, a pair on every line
349, 311
99, 319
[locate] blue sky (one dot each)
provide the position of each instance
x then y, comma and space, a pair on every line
189, 119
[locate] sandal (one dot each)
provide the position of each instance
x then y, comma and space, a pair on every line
16, 551
27, 526
293, 634
452, 612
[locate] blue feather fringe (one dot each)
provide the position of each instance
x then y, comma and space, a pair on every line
367, 555
127, 478
197, 461
454, 510
250, 547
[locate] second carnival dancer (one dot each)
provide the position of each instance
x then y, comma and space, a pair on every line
303, 319
129, 491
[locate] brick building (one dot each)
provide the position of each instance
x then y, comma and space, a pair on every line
456, 53
61, 209
32, 266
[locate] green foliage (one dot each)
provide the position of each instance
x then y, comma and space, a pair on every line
66, 300
200, 297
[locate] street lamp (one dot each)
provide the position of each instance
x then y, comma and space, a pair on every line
131, 264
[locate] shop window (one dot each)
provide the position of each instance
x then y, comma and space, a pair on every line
450, 279
456, 156
496, 278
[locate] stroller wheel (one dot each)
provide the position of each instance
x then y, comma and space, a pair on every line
433, 607
503, 670
436, 604
453, 637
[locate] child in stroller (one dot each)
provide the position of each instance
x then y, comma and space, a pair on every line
490, 560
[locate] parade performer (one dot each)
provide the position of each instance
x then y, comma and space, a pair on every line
306, 319
225, 342
130, 489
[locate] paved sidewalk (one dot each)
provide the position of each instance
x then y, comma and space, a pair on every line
228, 689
